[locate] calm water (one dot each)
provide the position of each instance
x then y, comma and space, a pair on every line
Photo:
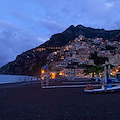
14, 78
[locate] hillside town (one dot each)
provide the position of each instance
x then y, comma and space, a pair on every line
71, 60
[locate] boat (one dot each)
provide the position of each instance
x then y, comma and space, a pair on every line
102, 88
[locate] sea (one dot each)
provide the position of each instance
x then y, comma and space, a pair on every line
15, 78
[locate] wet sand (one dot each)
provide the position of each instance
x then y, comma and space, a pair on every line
31, 102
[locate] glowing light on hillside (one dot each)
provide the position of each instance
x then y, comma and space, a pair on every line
60, 73
117, 70
55, 53
62, 57
53, 75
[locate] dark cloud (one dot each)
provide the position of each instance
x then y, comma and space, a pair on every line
13, 43
93, 13
52, 26
19, 16
28, 23
9, 26
117, 23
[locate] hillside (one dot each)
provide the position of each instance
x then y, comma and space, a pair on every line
30, 62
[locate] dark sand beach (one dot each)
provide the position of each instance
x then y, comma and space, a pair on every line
31, 102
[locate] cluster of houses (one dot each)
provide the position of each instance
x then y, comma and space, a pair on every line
72, 58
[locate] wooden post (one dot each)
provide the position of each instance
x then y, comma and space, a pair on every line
109, 75
105, 74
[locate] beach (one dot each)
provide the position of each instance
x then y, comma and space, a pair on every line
31, 102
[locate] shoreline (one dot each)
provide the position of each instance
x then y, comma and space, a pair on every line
16, 80
18, 84
19, 75
58, 81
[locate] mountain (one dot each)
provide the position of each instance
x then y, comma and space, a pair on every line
30, 62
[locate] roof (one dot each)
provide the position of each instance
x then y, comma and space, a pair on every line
45, 67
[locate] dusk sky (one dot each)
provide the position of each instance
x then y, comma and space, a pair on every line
25, 24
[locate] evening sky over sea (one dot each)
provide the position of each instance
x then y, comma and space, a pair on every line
25, 24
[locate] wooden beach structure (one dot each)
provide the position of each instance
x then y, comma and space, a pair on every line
44, 76
105, 87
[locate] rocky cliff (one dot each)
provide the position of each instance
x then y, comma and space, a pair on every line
30, 62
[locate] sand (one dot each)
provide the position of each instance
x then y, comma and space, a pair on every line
31, 102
